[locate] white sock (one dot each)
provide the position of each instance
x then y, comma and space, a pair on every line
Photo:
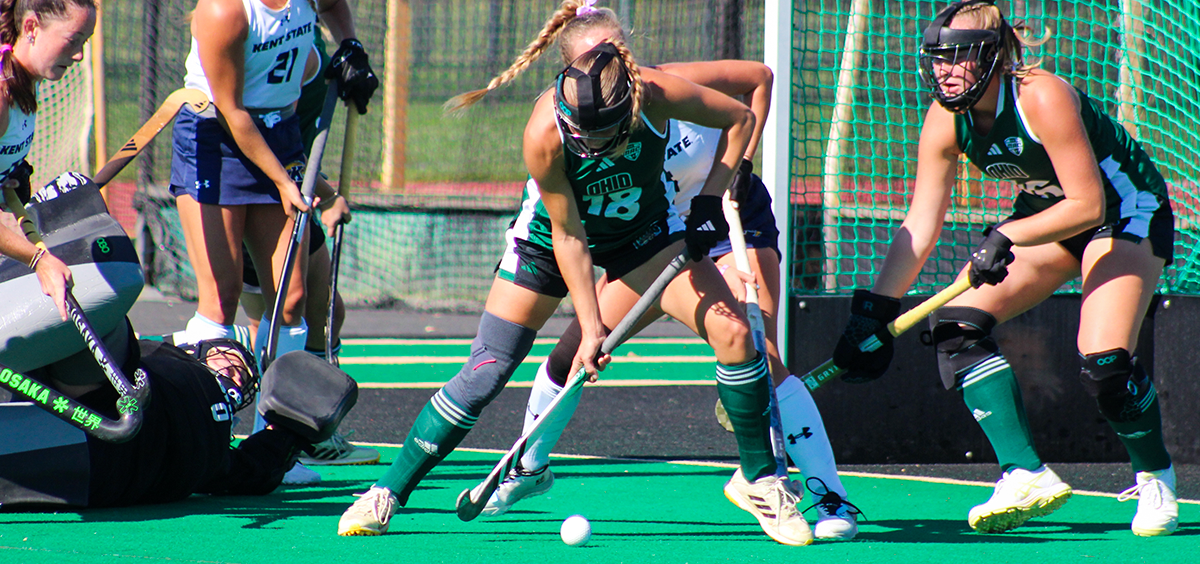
200, 328
537, 452
291, 338
804, 436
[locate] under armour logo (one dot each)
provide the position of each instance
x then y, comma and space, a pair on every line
804, 434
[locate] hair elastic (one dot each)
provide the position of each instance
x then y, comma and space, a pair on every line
588, 7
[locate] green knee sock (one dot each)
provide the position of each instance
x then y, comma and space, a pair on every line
439, 428
991, 392
744, 393
1142, 434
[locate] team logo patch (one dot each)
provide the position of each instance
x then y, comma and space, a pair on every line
1015, 144
1005, 171
633, 151
295, 170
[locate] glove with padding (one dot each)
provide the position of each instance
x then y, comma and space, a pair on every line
356, 82
989, 263
706, 226
865, 349
20, 174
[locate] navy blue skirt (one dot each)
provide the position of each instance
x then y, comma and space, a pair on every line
207, 165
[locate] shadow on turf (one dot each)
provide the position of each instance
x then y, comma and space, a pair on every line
957, 531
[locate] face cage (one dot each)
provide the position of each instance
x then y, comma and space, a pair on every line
238, 396
986, 57
577, 143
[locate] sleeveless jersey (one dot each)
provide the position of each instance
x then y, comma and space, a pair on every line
14, 144
618, 198
691, 149
277, 46
1010, 151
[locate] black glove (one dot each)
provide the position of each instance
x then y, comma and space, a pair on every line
355, 80
21, 173
740, 189
865, 349
706, 226
989, 263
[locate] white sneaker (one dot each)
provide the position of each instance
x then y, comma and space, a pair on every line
837, 519
301, 476
370, 515
770, 499
1020, 496
518, 485
337, 451
1157, 511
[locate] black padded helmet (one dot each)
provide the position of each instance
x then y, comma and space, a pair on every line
239, 391
942, 44
591, 120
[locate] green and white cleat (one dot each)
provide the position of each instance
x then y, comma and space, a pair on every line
337, 451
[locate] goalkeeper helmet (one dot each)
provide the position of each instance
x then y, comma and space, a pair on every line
977, 50
232, 365
593, 128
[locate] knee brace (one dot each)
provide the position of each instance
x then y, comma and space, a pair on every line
963, 337
558, 364
1121, 388
559, 361
496, 352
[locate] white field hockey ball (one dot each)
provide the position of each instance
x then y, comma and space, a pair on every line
576, 531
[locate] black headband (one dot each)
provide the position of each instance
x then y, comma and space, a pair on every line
590, 115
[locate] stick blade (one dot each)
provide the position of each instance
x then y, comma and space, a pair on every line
468, 507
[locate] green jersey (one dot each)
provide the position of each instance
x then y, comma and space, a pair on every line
618, 199
1133, 187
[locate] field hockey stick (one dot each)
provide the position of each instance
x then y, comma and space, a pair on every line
76, 414
472, 501
165, 113
307, 187
741, 259
828, 371
349, 144
132, 395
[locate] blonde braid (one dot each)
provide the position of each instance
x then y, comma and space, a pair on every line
635, 79
564, 14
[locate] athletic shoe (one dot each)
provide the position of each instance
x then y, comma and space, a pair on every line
370, 515
1157, 511
300, 476
770, 499
517, 485
337, 451
837, 519
1020, 496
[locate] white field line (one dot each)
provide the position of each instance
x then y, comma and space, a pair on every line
926, 479
541, 341
619, 359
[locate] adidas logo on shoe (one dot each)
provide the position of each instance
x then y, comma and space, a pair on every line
430, 448
980, 415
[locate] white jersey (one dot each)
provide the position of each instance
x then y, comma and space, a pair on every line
14, 144
691, 149
277, 46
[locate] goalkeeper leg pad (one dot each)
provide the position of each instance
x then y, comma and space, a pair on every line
306, 395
